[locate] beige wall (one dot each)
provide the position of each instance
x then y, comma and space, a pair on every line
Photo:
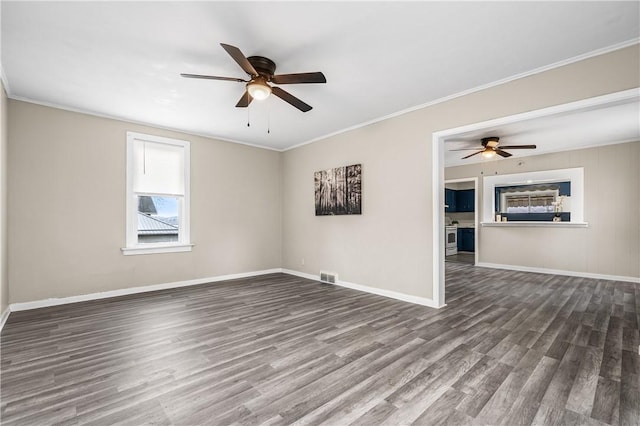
390, 246
611, 243
252, 209
4, 274
67, 207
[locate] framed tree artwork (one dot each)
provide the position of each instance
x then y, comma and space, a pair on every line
338, 191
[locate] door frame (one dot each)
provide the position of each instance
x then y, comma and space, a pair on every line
473, 179
437, 170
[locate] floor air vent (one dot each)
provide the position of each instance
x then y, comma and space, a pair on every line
328, 277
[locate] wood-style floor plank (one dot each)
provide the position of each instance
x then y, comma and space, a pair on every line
509, 348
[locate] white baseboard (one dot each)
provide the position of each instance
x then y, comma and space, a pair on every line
373, 290
560, 272
4, 317
23, 306
301, 274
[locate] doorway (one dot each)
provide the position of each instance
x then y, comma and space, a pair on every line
461, 220
492, 126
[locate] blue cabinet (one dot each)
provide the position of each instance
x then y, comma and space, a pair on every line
450, 200
466, 239
465, 200
459, 201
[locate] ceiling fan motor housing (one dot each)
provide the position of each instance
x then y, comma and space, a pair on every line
265, 66
491, 141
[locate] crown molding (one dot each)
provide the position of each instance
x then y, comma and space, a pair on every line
574, 59
539, 70
138, 123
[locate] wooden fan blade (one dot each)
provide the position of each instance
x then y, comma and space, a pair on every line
239, 57
471, 155
502, 153
305, 77
288, 97
245, 100
518, 147
213, 77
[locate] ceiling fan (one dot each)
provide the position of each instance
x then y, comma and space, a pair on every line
490, 148
261, 73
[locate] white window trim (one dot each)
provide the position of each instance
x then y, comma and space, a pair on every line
184, 242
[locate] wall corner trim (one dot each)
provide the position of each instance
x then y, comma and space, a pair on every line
23, 306
560, 272
373, 290
5, 82
4, 317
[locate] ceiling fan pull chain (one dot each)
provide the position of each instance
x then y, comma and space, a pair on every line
248, 118
269, 117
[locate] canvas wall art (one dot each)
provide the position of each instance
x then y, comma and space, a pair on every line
339, 191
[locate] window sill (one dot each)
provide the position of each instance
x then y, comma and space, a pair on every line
151, 249
538, 224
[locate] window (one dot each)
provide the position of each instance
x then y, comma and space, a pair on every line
549, 201
157, 195
536, 198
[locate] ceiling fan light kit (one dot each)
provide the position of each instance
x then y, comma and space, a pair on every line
488, 153
258, 88
261, 72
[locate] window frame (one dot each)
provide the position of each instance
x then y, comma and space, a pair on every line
133, 247
573, 175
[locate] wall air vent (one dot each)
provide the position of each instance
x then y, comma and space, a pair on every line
328, 277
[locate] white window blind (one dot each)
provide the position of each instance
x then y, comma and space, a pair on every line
157, 203
158, 168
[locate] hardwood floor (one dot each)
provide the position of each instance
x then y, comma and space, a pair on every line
462, 257
510, 348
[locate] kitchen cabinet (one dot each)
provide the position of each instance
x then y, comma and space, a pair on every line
450, 200
466, 239
465, 200
564, 188
459, 201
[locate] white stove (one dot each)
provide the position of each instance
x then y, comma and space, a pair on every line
450, 240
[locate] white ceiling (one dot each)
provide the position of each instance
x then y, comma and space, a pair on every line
123, 59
